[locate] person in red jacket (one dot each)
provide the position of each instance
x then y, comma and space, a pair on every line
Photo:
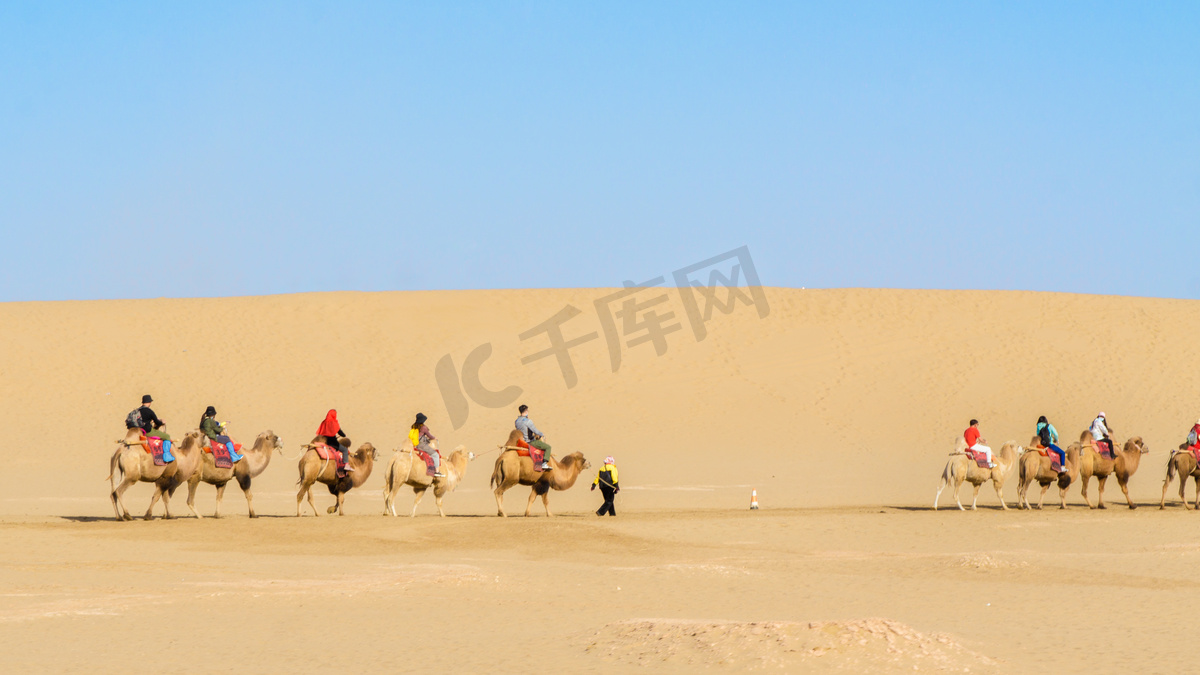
330, 431
975, 441
1193, 437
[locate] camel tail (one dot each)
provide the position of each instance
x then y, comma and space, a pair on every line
389, 478
1170, 470
498, 473
114, 465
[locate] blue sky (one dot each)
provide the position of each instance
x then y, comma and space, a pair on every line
209, 149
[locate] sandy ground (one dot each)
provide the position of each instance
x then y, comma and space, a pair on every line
839, 407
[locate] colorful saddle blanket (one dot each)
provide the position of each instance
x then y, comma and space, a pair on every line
979, 456
155, 448
1195, 450
222, 457
328, 453
1103, 450
527, 450
1055, 463
427, 459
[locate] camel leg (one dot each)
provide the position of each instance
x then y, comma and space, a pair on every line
244, 483
154, 500
1062, 497
499, 492
1197, 486
1100, 492
418, 495
341, 499
166, 497
311, 504
529, 506
999, 488
975, 497
220, 494
300, 497
191, 498
1162, 503
957, 485
1125, 488
546, 503
112, 496
1042, 497
1083, 488
941, 486
437, 496
120, 498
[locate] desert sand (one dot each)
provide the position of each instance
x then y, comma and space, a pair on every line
839, 407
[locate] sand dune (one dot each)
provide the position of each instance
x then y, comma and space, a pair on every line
838, 406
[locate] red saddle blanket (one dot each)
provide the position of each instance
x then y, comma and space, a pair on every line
326, 452
979, 456
1103, 450
1055, 464
221, 455
1195, 450
155, 446
428, 461
527, 450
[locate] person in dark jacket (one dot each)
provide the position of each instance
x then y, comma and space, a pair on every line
606, 479
329, 432
216, 433
151, 425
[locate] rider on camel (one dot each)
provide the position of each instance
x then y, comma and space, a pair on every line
532, 435
1048, 436
975, 441
420, 436
329, 432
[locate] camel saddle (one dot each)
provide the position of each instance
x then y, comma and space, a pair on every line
527, 450
979, 456
1103, 450
154, 446
327, 453
424, 456
222, 458
1195, 450
1055, 465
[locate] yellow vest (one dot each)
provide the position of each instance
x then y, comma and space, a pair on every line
414, 436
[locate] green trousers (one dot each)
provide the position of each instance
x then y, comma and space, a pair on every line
543, 446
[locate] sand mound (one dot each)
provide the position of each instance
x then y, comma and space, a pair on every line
880, 645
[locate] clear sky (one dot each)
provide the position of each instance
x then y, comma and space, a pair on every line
206, 149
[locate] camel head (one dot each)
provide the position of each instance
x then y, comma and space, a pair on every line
459, 452
1136, 443
575, 459
366, 449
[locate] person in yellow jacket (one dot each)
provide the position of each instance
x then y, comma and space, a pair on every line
606, 478
419, 435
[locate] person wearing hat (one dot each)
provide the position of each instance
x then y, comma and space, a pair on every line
420, 436
1193, 437
606, 478
1101, 433
210, 427
144, 418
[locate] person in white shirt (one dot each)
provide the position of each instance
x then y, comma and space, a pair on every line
1100, 431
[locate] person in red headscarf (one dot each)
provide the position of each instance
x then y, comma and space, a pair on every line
330, 431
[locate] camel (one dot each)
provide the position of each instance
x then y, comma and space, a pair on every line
1125, 464
1183, 463
408, 469
136, 465
254, 461
313, 469
1032, 466
512, 470
962, 468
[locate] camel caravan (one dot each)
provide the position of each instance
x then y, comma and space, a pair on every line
207, 455
1095, 455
